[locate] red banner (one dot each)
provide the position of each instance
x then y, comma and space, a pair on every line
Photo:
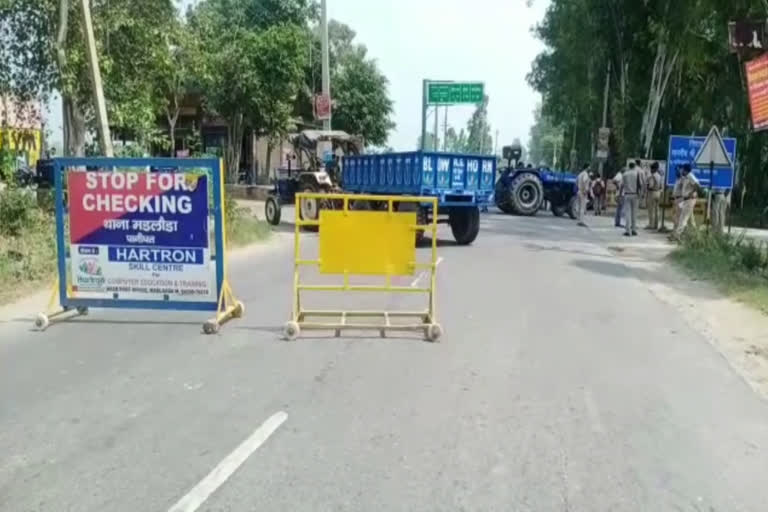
757, 84
322, 107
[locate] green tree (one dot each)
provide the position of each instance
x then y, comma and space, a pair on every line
252, 52
479, 138
359, 90
545, 138
44, 51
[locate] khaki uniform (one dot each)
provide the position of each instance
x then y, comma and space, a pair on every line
689, 187
633, 183
584, 183
719, 211
654, 198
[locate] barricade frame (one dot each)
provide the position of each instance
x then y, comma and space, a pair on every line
299, 322
226, 306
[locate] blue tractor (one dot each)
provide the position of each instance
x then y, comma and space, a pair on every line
525, 190
462, 183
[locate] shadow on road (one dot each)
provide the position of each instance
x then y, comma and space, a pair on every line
620, 270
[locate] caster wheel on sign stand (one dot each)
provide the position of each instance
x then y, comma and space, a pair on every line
42, 322
239, 310
210, 327
291, 331
433, 333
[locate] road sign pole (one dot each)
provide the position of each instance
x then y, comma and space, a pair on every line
424, 115
437, 128
709, 196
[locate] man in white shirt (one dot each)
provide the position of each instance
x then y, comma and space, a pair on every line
617, 181
584, 183
632, 185
689, 190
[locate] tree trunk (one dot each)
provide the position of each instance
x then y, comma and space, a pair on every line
74, 127
662, 69
173, 118
234, 147
268, 162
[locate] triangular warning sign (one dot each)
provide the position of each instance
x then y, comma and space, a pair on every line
713, 151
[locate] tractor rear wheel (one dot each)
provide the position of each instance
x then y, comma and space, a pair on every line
573, 207
559, 209
465, 224
527, 194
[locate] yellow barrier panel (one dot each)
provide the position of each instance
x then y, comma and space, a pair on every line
356, 242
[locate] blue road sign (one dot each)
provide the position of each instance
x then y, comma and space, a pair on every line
683, 150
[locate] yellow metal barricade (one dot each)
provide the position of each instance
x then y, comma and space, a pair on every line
357, 242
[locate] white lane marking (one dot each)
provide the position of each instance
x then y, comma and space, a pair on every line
418, 279
594, 413
415, 282
227, 467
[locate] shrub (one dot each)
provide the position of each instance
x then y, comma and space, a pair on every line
18, 211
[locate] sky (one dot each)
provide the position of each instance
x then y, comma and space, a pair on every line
413, 40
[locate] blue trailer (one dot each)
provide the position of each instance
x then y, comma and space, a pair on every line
523, 191
462, 183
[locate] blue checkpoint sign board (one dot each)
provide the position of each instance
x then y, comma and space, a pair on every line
683, 150
136, 233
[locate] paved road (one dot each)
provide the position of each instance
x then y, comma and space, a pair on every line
562, 384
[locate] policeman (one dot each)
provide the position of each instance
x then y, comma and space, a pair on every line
632, 184
689, 192
584, 184
719, 210
654, 196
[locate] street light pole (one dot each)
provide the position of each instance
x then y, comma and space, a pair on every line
326, 59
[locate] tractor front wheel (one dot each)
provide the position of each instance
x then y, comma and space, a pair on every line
272, 210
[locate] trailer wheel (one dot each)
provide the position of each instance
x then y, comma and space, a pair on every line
527, 194
421, 218
573, 207
465, 224
272, 210
558, 210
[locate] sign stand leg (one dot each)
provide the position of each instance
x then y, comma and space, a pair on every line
229, 308
43, 320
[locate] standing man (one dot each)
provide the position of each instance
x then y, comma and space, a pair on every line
583, 182
655, 185
633, 183
719, 210
598, 194
689, 190
618, 181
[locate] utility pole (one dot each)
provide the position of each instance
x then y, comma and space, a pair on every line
424, 87
102, 124
445, 129
496, 144
437, 128
326, 60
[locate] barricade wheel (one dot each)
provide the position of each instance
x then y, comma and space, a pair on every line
239, 310
210, 327
291, 331
42, 322
434, 332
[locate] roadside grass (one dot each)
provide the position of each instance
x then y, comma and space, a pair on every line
738, 266
27, 245
28, 241
245, 229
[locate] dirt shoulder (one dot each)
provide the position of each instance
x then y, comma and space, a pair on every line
738, 331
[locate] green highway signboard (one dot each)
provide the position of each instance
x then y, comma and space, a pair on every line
452, 93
